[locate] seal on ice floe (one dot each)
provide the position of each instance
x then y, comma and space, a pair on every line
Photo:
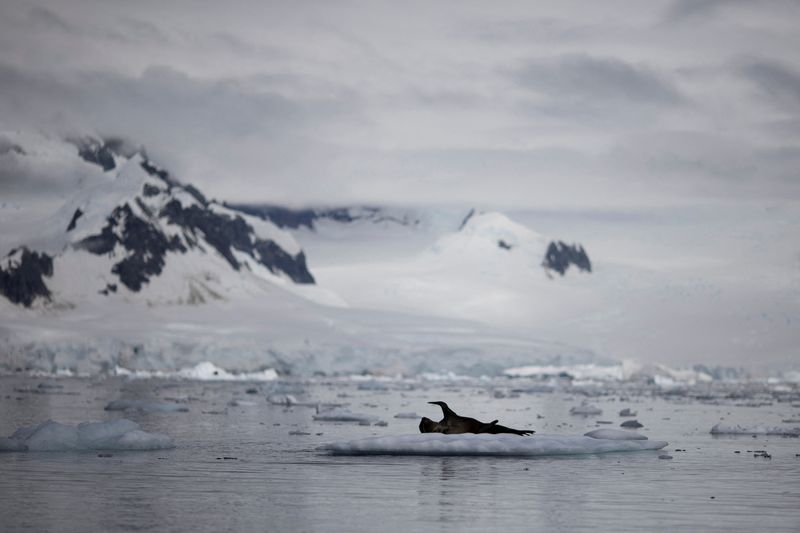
453, 424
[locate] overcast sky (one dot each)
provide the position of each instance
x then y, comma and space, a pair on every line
524, 104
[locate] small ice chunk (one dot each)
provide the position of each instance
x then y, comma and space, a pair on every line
483, 444
407, 415
614, 434
282, 399
146, 406
241, 403
631, 424
722, 429
665, 456
373, 386
627, 412
345, 415
586, 410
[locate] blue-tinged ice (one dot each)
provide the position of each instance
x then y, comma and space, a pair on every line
496, 445
52, 436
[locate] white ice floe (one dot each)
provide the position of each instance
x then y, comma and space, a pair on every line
586, 410
118, 435
345, 415
759, 429
614, 434
145, 406
407, 415
471, 444
282, 399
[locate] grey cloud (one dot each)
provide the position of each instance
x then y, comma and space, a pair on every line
43, 18
241, 133
597, 81
685, 10
778, 83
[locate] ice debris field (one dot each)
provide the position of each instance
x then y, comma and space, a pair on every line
50, 436
494, 445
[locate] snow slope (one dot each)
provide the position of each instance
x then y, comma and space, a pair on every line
484, 267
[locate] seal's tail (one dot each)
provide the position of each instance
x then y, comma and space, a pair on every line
494, 429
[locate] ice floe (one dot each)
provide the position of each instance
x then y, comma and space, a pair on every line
339, 414
52, 436
145, 406
407, 415
585, 410
282, 399
759, 429
614, 434
633, 424
472, 444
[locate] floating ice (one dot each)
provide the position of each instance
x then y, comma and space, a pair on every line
282, 399
12, 445
586, 410
145, 406
345, 415
631, 424
627, 412
472, 444
51, 436
614, 434
407, 415
204, 371
721, 429
373, 386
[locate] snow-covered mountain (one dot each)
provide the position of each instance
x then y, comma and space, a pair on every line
131, 230
110, 261
107, 260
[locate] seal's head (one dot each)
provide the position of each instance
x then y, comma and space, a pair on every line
426, 425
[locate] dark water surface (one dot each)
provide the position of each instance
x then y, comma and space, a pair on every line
281, 482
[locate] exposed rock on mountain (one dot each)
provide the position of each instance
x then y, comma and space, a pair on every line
560, 256
22, 275
137, 219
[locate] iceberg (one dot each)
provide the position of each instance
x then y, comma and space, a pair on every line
50, 436
722, 429
490, 445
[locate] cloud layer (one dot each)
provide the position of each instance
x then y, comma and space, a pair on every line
566, 104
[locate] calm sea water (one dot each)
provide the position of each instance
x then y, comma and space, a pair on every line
281, 482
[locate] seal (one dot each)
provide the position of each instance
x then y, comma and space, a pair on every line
453, 424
